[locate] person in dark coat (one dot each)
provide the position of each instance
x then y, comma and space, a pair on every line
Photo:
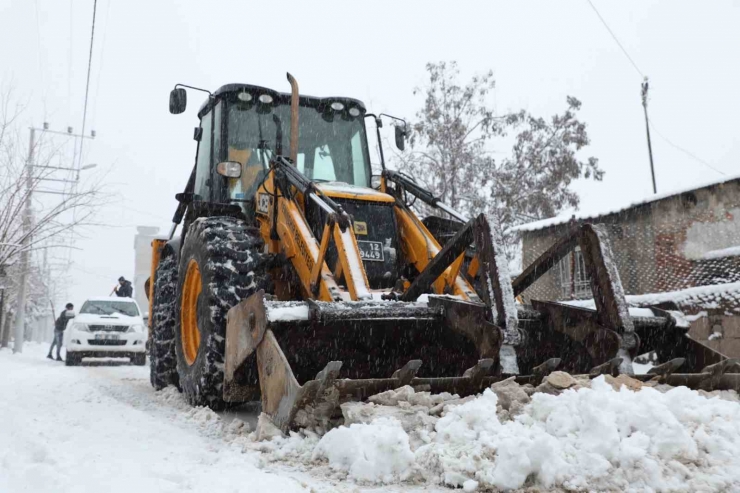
124, 288
59, 326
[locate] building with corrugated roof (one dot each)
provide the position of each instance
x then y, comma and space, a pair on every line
681, 247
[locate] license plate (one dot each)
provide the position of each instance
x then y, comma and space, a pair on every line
107, 337
371, 250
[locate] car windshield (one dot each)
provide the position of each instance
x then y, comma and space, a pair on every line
332, 144
106, 307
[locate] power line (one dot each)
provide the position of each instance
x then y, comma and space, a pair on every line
615, 39
102, 60
691, 155
87, 85
38, 40
69, 68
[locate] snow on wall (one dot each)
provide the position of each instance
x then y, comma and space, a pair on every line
725, 252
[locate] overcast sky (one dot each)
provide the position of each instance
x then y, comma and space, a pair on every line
540, 52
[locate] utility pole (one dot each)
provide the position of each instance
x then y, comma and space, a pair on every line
3, 336
20, 312
647, 128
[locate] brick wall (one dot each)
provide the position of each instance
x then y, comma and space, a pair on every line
657, 245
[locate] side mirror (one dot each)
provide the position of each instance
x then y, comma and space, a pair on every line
178, 100
401, 137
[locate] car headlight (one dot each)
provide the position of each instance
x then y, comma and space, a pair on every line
80, 327
136, 328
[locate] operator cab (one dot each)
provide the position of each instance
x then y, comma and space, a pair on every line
249, 125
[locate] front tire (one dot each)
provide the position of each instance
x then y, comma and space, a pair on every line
162, 356
220, 265
71, 359
139, 359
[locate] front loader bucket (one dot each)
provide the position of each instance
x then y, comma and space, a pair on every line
311, 356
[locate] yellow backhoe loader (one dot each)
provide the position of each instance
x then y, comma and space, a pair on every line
301, 282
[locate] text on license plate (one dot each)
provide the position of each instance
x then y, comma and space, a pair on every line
106, 336
371, 250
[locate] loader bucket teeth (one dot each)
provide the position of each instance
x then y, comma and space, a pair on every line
715, 372
611, 367
480, 370
665, 370
407, 373
296, 350
541, 371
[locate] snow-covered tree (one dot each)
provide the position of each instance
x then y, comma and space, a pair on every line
457, 134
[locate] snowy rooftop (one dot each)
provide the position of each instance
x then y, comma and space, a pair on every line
592, 214
704, 297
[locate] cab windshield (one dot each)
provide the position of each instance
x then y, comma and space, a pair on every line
105, 307
332, 145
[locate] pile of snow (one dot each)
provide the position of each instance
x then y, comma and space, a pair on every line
606, 434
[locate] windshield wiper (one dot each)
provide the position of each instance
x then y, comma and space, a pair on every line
278, 134
101, 310
117, 310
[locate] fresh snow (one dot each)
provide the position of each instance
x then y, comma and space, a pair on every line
725, 252
585, 439
287, 312
710, 296
102, 428
356, 270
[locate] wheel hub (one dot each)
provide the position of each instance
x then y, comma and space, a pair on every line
189, 332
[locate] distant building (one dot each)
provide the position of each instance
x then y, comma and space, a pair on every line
682, 247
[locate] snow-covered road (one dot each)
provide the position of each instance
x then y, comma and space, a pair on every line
103, 428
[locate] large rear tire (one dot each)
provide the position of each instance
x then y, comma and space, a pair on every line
221, 264
162, 355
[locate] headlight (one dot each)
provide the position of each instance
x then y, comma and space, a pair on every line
80, 327
136, 328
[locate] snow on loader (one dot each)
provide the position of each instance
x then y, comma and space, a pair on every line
297, 283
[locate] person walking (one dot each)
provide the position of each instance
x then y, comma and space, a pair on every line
124, 288
59, 326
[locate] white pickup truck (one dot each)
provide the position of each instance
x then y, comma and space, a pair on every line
106, 327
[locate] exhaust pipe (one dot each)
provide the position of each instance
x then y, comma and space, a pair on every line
293, 119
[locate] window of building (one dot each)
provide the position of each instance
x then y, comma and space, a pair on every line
578, 286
